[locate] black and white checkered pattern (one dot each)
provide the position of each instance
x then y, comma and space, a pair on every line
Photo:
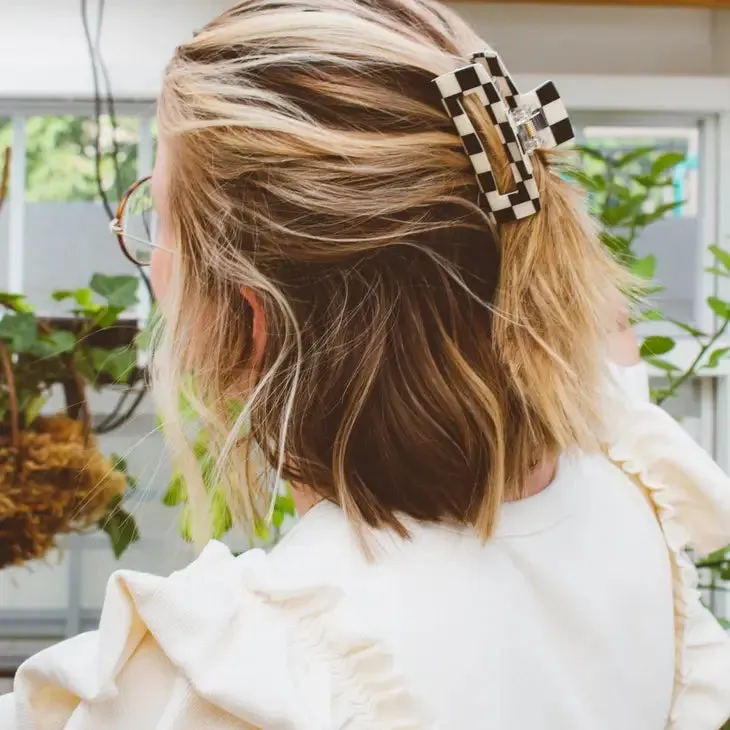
524, 122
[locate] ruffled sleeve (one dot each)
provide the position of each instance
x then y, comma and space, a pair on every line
223, 644
691, 497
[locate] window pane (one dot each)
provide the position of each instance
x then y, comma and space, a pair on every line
674, 240
61, 158
67, 237
6, 141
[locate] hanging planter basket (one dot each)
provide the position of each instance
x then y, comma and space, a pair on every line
53, 479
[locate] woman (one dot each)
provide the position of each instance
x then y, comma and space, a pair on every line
490, 536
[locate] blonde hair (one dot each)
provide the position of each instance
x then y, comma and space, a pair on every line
416, 360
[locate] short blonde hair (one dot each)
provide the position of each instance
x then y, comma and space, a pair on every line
417, 361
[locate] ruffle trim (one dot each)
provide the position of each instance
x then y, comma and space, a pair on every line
234, 629
368, 691
691, 498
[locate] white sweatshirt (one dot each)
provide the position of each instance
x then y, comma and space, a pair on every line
581, 612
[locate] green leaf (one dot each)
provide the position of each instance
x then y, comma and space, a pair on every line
644, 267
34, 407
656, 345
719, 307
688, 328
590, 183
620, 245
660, 212
20, 330
85, 298
106, 316
623, 213
85, 367
122, 530
285, 504
185, 524
176, 493
652, 315
716, 355
666, 162
119, 463
119, 291
650, 183
16, 302
221, 518
633, 156
717, 272
722, 256
661, 364
58, 342
61, 295
592, 152
715, 556
118, 362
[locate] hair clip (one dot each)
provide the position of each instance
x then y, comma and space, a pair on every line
524, 122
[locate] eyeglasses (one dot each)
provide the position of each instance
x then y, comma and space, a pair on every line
135, 225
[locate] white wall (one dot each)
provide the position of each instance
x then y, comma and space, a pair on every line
42, 52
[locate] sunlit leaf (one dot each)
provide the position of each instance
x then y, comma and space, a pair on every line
644, 267
722, 256
688, 328
34, 407
176, 493
716, 355
652, 315
661, 364
719, 307
622, 213
590, 183
16, 302
221, 519
665, 162
656, 345
592, 152
660, 212
632, 156
61, 295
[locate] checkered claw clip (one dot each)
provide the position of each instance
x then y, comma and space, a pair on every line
524, 122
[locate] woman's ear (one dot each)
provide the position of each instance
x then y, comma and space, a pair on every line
259, 323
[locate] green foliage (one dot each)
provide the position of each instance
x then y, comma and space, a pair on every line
627, 192
220, 514
624, 199
43, 355
119, 525
60, 157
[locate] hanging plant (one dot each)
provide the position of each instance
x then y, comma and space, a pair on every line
53, 478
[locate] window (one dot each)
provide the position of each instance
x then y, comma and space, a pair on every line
61, 158
683, 140
65, 219
678, 241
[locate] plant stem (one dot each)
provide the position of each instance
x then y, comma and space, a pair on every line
690, 372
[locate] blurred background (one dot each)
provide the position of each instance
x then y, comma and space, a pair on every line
78, 82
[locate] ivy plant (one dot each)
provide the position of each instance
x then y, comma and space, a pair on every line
47, 352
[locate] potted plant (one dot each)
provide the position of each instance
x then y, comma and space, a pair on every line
53, 478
